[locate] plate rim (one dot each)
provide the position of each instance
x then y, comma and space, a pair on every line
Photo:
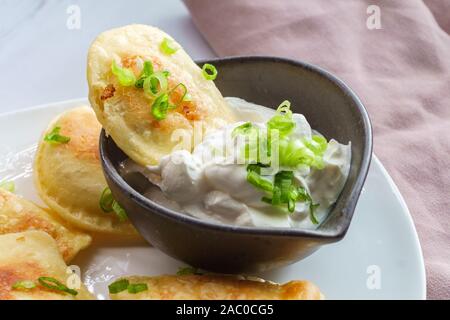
375, 162
407, 213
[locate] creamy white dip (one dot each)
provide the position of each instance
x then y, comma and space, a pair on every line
210, 185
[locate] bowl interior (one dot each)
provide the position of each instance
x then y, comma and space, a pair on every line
327, 103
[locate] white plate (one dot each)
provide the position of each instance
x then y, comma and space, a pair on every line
380, 257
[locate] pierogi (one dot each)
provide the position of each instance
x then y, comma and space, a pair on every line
30, 257
216, 287
18, 214
68, 173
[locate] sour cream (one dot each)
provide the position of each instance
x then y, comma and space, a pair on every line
210, 184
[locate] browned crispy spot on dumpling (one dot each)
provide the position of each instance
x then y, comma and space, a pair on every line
108, 92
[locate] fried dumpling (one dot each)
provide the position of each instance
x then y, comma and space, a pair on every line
18, 214
214, 287
24, 258
68, 173
148, 124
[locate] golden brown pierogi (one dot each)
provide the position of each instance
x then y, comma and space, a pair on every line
27, 256
217, 287
18, 214
69, 177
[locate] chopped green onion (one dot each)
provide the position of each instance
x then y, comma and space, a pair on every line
209, 71
106, 200
168, 46
54, 136
282, 121
125, 76
293, 152
118, 286
184, 271
147, 70
243, 129
266, 200
285, 175
151, 84
293, 192
256, 180
256, 167
285, 107
108, 204
8, 186
282, 191
160, 107
24, 284
279, 126
276, 196
139, 83
304, 196
137, 287
52, 283
317, 144
284, 180
251, 151
119, 211
312, 214
291, 205
183, 87
123, 284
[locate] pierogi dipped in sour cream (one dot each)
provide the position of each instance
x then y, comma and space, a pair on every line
143, 87
69, 177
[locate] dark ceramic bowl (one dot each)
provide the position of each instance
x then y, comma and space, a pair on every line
331, 108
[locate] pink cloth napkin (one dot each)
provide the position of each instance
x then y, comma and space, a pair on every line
401, 72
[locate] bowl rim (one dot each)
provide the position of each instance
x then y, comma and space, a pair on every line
324, 235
